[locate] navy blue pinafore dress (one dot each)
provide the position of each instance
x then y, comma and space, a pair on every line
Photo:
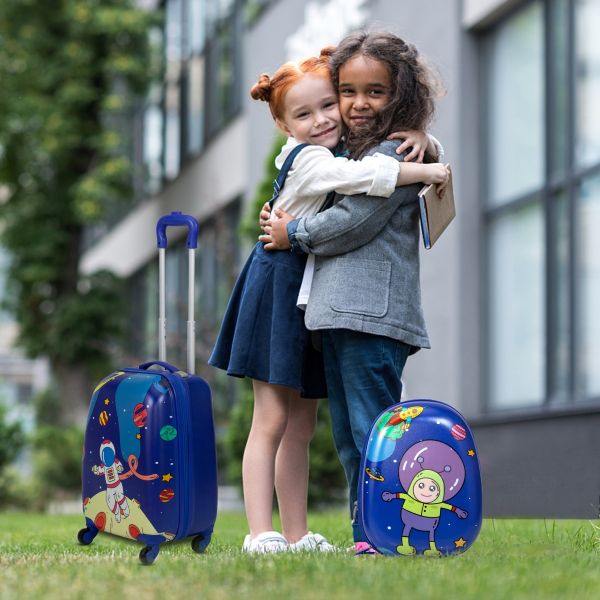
262, 334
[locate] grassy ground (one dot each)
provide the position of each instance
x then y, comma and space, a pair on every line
512, 559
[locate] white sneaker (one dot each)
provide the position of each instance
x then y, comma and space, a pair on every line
266, 542
312, 542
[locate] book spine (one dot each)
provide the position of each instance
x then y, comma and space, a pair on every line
424, 222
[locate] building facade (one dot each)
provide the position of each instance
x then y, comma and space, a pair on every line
511, 288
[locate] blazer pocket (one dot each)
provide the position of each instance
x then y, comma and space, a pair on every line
361, 286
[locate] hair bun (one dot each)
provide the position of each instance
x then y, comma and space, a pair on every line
327, 51
261, 90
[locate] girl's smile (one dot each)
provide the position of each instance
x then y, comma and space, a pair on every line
312, 113
364, 89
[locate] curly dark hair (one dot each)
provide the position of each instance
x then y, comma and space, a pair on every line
414, 86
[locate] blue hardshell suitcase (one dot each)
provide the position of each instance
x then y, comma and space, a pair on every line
420, 486
149, 464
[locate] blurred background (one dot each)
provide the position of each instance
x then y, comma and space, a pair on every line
113, 113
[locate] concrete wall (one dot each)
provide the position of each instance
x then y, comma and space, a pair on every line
541, 467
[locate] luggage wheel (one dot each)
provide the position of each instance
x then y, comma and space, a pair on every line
200, 543
148, 554
86, 536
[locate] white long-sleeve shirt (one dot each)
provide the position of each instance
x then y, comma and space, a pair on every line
316, 172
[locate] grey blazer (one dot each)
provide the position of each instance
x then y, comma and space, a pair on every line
367, 264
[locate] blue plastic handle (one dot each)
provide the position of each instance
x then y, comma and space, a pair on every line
166, 366
177, 218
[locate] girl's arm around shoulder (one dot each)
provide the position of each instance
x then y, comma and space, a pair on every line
354, 220
423, 173
317, 171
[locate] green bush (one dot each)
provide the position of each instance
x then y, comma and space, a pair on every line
57, 460
326, 480
12, 441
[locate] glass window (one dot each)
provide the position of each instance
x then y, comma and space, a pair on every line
588, 225
559, 299
174, 38
516, 115
587, 73
559, 97
517, 314
153, 141
172, 128
197, 25
195, 103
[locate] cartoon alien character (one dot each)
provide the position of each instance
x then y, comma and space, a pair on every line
431, 472
111, 467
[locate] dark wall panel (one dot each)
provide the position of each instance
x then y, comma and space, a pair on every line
545, 468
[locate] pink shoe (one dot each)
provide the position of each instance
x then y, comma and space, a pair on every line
364, 549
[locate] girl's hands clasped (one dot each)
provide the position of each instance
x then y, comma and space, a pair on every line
275, 236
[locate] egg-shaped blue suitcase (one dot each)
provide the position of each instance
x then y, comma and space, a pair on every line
420, 486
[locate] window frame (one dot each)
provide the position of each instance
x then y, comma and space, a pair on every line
568, 183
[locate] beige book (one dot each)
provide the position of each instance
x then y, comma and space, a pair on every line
436, 213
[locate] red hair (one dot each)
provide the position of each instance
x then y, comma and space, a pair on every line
273, 89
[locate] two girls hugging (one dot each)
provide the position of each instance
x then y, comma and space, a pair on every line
355, 118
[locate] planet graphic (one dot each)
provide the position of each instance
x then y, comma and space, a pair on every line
103, 418
168, 433
381, 448
166, 495
139, 415
458, 432
373, 473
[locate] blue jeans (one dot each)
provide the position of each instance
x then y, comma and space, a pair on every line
363, 378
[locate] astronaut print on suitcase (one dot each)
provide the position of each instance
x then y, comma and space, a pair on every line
130, 470
420, 490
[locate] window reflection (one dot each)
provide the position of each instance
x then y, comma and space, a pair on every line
559, 299
588, 224
517, 315
516, 115
587, 73
195, 104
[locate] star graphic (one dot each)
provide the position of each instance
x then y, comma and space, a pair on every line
167, 477
138, 436
107, 401
460, 543
471, 452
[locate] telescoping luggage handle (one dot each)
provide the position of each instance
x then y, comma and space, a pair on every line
176, 219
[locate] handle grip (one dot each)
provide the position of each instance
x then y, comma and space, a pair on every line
165, 365
177, 218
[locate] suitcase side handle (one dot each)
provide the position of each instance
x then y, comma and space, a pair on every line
165, 365
175, 219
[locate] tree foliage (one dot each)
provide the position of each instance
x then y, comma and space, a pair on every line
71, 72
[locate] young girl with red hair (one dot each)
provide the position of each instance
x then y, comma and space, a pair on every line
263, 335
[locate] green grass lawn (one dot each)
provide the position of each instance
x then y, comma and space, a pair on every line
40, 558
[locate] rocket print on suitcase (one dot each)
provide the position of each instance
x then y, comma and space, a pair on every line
420, 489
130, 467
